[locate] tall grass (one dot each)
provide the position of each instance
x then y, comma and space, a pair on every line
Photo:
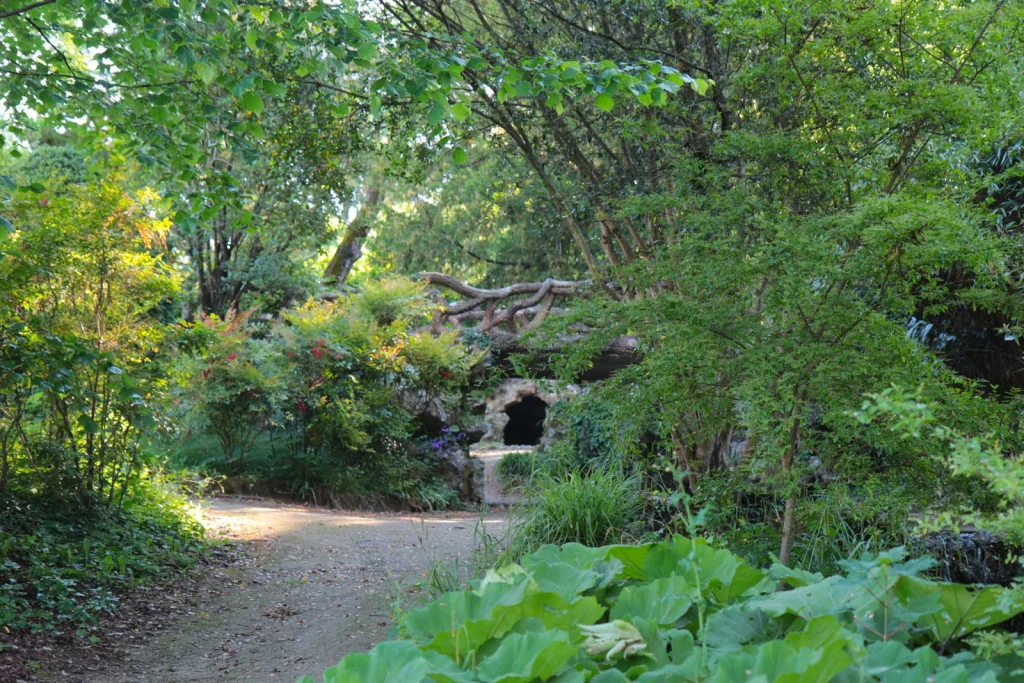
594, 510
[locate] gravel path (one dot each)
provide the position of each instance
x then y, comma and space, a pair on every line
319, 585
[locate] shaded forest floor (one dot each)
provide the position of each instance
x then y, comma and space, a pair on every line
313, 586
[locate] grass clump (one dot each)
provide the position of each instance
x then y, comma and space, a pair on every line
594, 510
517, 468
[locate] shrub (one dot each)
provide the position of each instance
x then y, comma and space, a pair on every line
685, 610
314, 402
594, 510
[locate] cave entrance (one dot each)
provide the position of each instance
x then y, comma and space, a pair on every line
525, 422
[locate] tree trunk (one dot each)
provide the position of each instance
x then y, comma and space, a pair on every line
351, 247
684, 458
4, 462
789, 514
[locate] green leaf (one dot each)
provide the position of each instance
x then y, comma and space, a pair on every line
389, 662
964, 609
185, 55
87, 423
367, 51
560, 577
8, 182
525, 657
207, 72
815, 655
794, 577
459, 155
731, 628
252, 102
460, 111
275, 89
6, 228
834, 595
436, 113
660, 602
726, 575
604, 102
554, 101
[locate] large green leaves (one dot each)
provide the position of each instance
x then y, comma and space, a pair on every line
662, 602
525, 657
683, 610
391, 662
963, 609
717, 570
459, 623
814, 655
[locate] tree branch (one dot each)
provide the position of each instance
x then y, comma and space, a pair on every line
26, 8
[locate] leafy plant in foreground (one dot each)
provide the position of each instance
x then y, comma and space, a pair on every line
684, 610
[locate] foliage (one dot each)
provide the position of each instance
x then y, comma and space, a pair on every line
517, 468
978, 457
324, 385
484, 222
80, 301
48, 163
83, 515
773, 304
61, 571
204, 76
593, 510
685, 610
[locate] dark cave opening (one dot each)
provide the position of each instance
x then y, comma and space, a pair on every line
525, 422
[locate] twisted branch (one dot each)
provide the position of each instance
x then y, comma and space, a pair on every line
519, 300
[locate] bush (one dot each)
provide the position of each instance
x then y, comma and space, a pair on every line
684, 610
601, 508
314, 402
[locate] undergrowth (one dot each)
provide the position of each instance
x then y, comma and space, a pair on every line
64, 570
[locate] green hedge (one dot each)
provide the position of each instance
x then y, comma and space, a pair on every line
684, 610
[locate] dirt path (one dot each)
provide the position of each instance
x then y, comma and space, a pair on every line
320, 585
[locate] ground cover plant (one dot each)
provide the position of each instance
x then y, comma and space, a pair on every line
685, 610
63, 572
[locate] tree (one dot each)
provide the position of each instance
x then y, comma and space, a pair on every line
186, 86
785, 228
83, 285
